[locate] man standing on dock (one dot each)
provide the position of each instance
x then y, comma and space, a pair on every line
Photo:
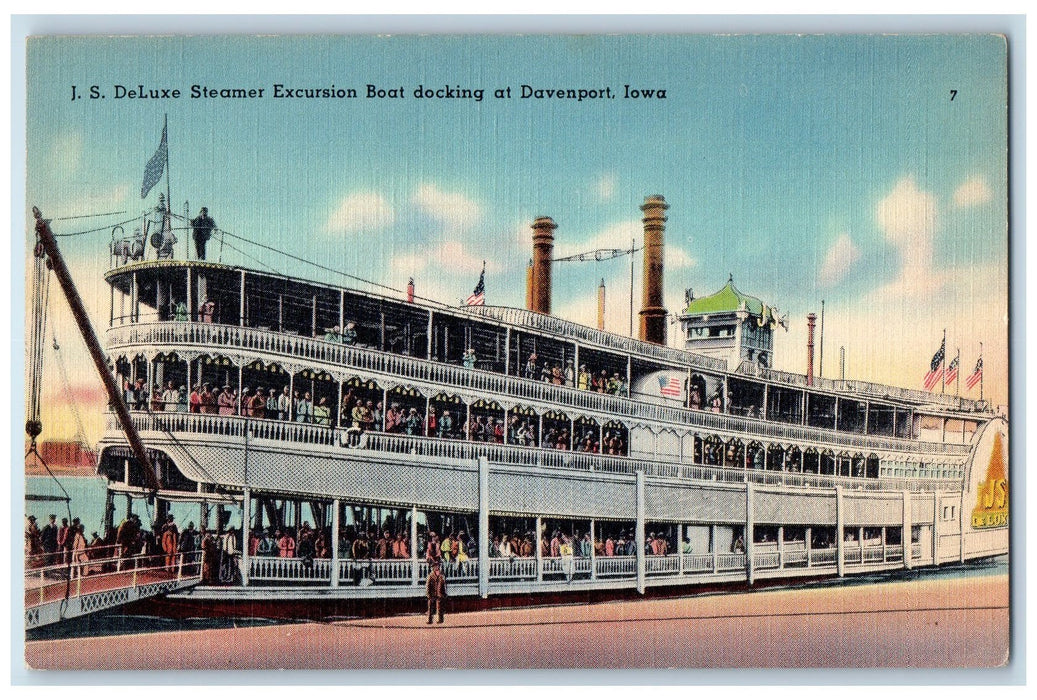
435, 590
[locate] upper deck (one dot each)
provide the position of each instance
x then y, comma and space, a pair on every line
203, 308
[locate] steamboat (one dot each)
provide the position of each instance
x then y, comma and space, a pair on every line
563, 459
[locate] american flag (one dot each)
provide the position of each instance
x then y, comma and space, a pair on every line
932, 377
670, 386
153, 170
478, 295
976, 376
952, 369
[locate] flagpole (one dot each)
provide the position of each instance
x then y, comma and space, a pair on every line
957, 376
943, 360
169, 198
981, 368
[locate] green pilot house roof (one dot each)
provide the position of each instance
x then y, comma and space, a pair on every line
729, 300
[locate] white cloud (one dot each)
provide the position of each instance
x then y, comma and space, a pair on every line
975, 191
360, 211
843, 254
907, 217
606, 187
679, 259
456, 211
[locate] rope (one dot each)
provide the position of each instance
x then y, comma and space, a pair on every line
95, 230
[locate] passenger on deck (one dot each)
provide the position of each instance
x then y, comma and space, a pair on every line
413, 422
156, 399
227, 402
210, 558
334, 335
557, 378
468, 359
304, 409
446, 425
170, 539
181, 312
321, 413
530, 370
203, 226
244, 401
570, 374
209, 402
207, 311
285, 544
394, 419
431, 423
545, 373
257, 404
583, 379
284, 404
349, 335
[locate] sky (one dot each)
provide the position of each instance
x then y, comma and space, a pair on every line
866, 171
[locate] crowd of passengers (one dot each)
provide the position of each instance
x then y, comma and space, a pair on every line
361, 415
454, 546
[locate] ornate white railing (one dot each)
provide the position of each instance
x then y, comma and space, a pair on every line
235, 427
865, 390
794, 558
289, 569
553, 325
615, 567
697, 563
822, 557
894, 552
336, 356
730, 562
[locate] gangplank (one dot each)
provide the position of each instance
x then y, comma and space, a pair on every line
64, 591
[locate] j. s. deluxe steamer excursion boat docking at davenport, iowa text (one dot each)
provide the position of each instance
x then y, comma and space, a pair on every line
336, 442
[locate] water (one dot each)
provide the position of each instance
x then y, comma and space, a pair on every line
87, 503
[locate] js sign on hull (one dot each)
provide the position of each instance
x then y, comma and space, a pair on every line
991, 508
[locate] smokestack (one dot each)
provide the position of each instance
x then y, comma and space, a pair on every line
653, 315
601, 305
811, 320
543, 245
529, 285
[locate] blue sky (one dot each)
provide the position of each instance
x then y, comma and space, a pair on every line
810, 167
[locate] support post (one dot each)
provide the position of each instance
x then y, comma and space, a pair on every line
414, 546
839, 544
713, 548
241, 306
750, 527
539, 552
594, 557
246, 535
639, 530
807, 536
905, 534
335, 532
936, 528
781, 546
484, 526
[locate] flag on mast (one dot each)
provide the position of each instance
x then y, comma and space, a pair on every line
977, 374
153, 170
935, 373
952, 369
478, 295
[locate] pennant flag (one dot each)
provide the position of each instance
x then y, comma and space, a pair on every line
976, 376
952, 370
478, 295
932, 377
153, 170
670, 386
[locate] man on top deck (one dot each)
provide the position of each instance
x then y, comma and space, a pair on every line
203, 226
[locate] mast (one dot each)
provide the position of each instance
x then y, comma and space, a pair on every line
50, 246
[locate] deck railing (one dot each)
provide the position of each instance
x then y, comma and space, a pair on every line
372, 442
235, 427
335, 356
